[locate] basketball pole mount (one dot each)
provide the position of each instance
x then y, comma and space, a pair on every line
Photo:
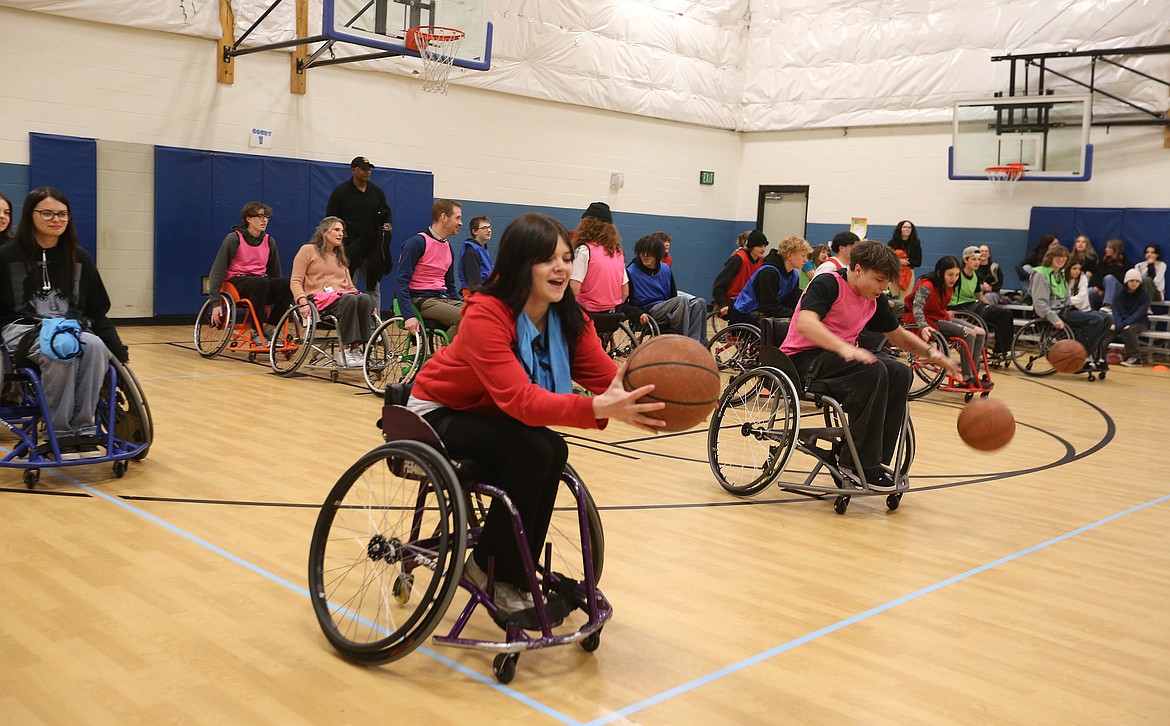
228, 46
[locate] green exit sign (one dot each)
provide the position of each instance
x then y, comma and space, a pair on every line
706, 177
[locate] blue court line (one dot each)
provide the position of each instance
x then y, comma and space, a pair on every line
304, 592
760, 657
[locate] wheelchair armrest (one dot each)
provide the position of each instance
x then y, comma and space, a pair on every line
401, 424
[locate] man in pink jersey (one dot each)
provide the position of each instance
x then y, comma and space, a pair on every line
424, 279
249, 260
872, 388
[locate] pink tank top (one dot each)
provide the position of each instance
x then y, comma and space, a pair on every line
249, 260
849, 314
430, 273
602, 287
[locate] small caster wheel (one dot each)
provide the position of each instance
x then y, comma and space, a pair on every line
402, 587
120, 467
251, 357
1101, 375
892, 501
31, 477
967, 398
334, 376
504, 667
985, 394
840, 504
591, 642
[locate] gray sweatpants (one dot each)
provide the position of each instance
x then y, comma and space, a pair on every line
71, 387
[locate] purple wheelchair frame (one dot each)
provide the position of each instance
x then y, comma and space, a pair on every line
560, 597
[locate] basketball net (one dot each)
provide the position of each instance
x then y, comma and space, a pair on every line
437, 47
1003, 178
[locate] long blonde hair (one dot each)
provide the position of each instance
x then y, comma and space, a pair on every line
318, 240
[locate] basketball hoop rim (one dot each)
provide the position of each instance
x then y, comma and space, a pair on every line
1010, 172
431, 34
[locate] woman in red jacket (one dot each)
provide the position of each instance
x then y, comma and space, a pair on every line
926, 306
509, 374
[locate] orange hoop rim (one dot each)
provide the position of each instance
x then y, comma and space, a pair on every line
1012, 171
431, 34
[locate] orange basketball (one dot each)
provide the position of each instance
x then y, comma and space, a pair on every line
684, 375
1067, 356
986, 424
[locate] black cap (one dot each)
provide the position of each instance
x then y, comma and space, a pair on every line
598, 210
757, 239
362, 162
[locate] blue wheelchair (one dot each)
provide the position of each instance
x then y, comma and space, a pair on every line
124, 425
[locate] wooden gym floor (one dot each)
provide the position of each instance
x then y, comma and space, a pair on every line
1020, 587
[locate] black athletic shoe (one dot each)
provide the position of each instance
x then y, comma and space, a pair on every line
880, 480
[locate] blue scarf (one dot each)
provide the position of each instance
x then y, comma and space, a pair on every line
545, 357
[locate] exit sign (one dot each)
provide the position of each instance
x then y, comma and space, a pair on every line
706, 177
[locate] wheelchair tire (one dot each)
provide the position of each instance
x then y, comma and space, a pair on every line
927, 376
210, 339
753, 431
564, 532
1030, 347
736, 348
387, 552
392, 355
292, 343
620, 343
133, 422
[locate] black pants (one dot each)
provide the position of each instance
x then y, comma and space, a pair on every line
998, 318
525, 462
874, 396
264, 291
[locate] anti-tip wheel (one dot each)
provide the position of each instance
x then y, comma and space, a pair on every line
504, 667
120, 467
840, 504
892, 501
591, 642
31, 477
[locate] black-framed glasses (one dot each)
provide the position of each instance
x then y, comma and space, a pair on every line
48, 214
481, 228
261, 216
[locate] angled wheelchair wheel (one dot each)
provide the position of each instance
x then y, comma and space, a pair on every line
927, 376
620, 343
211, 338
292, 343
736, 349
753, 431
1030, 347
392, 355
564, 532
133, 423
387, 552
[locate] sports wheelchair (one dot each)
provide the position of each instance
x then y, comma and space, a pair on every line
620, 335
311, 341
756, 426
930, 376
239, 322
125, 428
395, 355
1031, 344
390, 542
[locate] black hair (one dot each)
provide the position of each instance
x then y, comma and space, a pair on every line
26, 237
529, 239
1157, 249
938, 276
651, 244
843, 239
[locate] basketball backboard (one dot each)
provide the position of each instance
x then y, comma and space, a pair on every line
382, 24
1049, 135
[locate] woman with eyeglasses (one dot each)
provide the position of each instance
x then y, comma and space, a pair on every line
249, 260
44, 274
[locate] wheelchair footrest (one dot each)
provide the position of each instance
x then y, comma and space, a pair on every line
558, 605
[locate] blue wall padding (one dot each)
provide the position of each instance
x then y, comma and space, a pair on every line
199, 194
1136, 227
68, 163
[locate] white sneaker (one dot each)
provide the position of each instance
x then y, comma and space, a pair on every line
506, 596
354, 357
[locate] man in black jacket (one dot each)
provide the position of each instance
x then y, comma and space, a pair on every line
361, 204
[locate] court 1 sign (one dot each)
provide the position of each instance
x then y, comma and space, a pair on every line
260, 139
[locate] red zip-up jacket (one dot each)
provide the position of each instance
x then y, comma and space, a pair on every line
480, 372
